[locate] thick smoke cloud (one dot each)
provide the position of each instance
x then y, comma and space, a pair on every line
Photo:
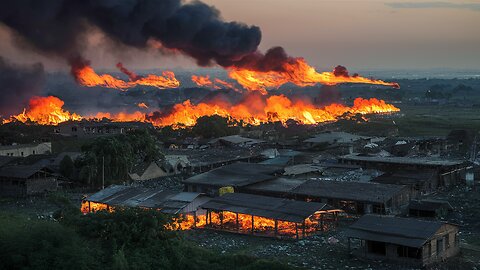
60, 27
18, 84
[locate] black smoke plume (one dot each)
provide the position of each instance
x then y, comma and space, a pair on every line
60, 27
17, 85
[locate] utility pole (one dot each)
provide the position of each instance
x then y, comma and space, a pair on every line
103, 172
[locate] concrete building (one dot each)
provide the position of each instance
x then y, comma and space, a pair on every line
24, 150
404, 240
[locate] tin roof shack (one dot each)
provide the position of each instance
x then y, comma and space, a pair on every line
23, 180
429, 208
420, 182
355, 197
267, 216
24, 150
351, 197
235, 141
236, 175
170, 202
448, 172
405, 240
346, 142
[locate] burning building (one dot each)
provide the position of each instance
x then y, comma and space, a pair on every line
267, 216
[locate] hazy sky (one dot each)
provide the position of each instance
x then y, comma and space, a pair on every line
357, 34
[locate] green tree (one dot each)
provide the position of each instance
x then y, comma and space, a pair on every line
213, 126
67, 166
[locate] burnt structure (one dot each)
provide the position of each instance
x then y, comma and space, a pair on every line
171, 202
267, 216
26, 180
405, 240
447, 172
351, 197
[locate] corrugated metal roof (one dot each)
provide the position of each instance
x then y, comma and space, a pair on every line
355, 191
429, 205
404, 160
401, 231
236, 174
269, 207
22, 171
167, 201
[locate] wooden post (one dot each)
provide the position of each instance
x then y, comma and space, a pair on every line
210, 218
253, 224
194, 219
303, 229
296, 230
238, 227
221, 220
89, 209
276, 227
321, 223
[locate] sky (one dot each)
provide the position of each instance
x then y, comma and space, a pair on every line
362, 35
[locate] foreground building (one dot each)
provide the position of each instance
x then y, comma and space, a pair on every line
267, 216
171, 202
352, 197
405, 240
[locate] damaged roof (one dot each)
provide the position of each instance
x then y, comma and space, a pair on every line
167, 201
346, 190
404, 160
268, 207
236, 174
23, 171
401, 231
277, 185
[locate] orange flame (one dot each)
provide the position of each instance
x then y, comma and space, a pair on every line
142, 105
202, 81
297, 72
86, 76
44, 111
254, 109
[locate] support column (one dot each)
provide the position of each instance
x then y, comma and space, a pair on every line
210, 217
321, 223
238, 227
89, 209
276, 227
221, 220
194, 219
253, 224
303, 229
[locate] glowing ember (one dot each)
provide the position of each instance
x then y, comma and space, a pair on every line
86, 76
44, 111
142, 105
298, 72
